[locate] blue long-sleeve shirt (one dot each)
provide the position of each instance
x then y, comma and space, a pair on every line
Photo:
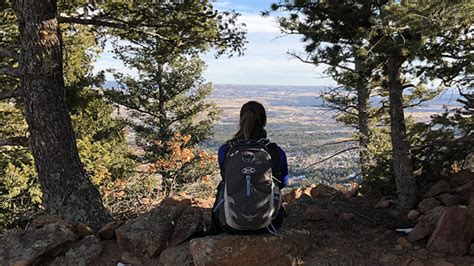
283, 163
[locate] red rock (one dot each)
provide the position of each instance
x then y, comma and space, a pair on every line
108, 231
402, 241
315, 213
83, 252
413, 215
426, 224
203, 203
454, 231
149, 233
421, 230
449, 199
179, 202
287, 248
322, 191
31, 245
471, 200
348, 216
460, 178
189, 223
427, 204
441, 262
179, 255
294, 194
441, 186
382, 204
47, 219
83, 230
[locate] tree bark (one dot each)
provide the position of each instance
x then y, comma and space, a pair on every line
402, 162
363, 96
67, 190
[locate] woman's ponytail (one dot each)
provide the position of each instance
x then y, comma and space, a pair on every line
252, 119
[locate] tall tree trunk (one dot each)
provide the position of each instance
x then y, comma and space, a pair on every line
67, 190
402, 163
363, 96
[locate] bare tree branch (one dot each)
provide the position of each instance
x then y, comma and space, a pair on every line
332, 156
8, 53
14, 72
14, 141
336, 142
319, 62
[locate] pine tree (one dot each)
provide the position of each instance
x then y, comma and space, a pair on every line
66, 187
169, 112
102, 145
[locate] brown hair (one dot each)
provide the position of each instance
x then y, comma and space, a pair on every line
252, 119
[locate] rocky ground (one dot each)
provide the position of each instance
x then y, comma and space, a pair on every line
323, 226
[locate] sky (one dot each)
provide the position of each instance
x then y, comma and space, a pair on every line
265, 60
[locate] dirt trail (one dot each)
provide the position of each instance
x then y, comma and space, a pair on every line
352, 232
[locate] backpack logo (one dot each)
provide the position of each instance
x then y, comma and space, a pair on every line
248, 170
249, 217
248, 157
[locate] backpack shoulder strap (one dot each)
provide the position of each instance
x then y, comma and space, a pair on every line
275, 154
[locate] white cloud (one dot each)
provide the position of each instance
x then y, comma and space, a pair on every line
257, 23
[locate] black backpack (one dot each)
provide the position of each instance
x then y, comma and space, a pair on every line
250, 196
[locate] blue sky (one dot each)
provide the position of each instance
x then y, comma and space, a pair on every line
265, 61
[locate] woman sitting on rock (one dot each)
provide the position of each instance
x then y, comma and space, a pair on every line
253, 170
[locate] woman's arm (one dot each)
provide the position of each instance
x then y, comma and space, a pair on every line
283, 168
221, 158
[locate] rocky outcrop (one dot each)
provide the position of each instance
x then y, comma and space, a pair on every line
84, 252
179, 255
149, 233
426, 224
428, 204
454, 231
439, 187
35, 246
285, 249
190, 222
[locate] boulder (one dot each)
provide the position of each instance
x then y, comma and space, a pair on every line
454, 231
413, 215
285, 249
421, 230
294, 194
108, 230
189, 223
449, 199
464, 191
83, 230
83, 253
149, 233
179, 255
322, 191
427, 204
439, 187
426, 224
403, 242
348, 216
35, 246
43, 220
315, 213
460, 178
384, 202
